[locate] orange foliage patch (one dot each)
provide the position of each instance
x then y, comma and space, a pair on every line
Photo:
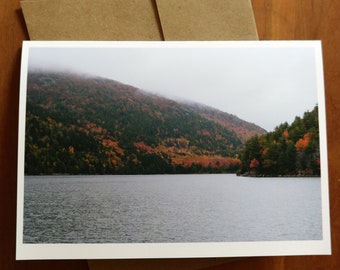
144, 147
207, 161
114, 145
181, 154
301, 144
254, 163
286, 134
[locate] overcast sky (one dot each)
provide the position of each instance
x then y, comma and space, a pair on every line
263, 85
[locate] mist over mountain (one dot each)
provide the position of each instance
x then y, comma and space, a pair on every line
90, 125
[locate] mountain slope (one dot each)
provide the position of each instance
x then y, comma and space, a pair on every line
244, 130
91, 125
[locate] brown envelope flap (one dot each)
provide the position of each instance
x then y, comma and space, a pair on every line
207, 19
91, 20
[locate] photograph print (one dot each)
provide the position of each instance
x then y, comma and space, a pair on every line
171, 149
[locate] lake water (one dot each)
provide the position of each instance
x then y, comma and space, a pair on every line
170, 208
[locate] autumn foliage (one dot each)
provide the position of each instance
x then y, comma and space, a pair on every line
302, 143
288, 150
254, 163
91, 125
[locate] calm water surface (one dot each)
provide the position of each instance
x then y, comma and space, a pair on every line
170, 208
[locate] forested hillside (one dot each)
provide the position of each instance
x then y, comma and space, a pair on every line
87, 125
288, 150
244, 130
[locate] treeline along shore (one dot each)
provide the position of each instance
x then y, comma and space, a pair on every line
290, 150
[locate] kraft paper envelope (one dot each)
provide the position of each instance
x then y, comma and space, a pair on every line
139, 19
91, 20
207, 19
